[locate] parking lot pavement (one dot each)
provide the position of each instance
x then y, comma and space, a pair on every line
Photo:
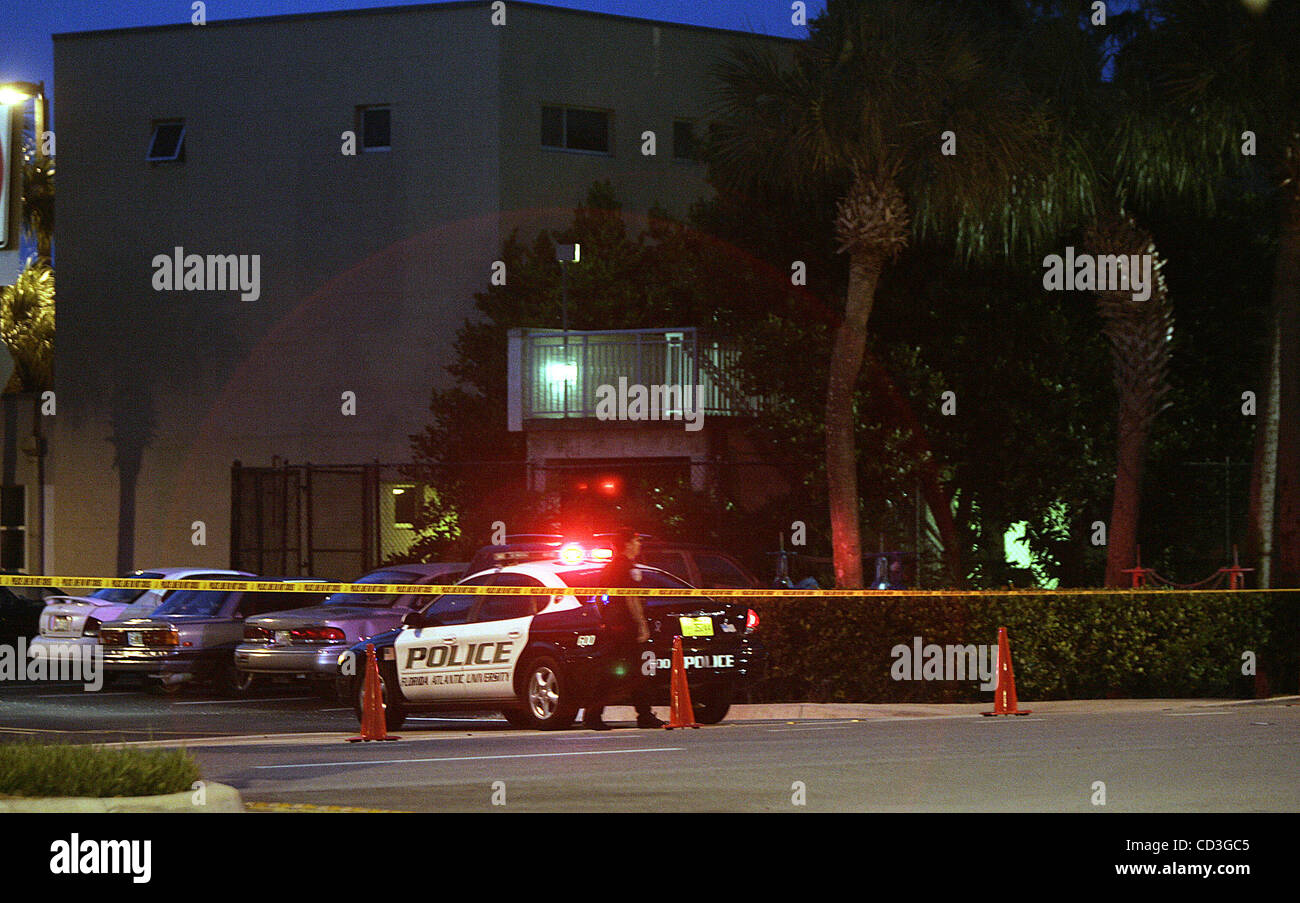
127, 712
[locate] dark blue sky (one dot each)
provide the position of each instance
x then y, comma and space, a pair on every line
26, 26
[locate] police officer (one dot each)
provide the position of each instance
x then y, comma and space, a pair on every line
628, 634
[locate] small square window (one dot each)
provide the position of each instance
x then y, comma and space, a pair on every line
168, 142
586, 130
13, 506
376, 128
573, 129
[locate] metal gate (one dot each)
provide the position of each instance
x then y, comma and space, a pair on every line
307, 520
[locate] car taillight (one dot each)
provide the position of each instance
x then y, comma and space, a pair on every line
256, 634
112, 638
751, 619
317, 635
169, 637
91, 628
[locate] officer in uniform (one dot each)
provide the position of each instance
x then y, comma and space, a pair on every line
625, 621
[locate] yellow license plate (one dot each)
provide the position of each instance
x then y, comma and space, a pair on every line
697, 626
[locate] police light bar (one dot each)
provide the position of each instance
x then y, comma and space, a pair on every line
503, 558
572, 553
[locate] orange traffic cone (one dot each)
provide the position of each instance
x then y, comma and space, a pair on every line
1004, 696
373, 726
682, 715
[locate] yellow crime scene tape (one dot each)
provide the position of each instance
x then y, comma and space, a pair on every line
430, 589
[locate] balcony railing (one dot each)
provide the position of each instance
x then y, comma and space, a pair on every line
557, 375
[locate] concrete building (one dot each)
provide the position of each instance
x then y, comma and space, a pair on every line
270, 230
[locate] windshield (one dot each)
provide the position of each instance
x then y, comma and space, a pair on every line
192, 602
124, 596
373, 600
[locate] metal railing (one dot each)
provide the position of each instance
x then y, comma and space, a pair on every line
558, 375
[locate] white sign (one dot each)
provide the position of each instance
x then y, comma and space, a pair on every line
7, 168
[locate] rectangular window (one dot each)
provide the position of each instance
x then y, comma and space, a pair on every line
569, 128
13, 529
407, 500
376, 127
168, 141
685, 145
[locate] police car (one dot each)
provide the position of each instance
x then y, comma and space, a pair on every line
536, 657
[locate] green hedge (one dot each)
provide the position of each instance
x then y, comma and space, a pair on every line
1063, 645
65, 770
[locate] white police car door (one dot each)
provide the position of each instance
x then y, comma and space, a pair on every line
495, 638
431, 660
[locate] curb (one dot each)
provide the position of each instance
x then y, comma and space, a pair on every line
218, 798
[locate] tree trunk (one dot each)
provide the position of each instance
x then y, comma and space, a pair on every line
841, 448
1275, 484
1286, 294
1121, 538
1263, 484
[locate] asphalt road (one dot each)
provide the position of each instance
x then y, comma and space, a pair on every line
284, 749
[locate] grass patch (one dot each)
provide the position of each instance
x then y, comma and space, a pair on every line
43, 770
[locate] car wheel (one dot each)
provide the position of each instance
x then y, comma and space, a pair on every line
163, 687
713, 705
548, 703
233, 682
394, 711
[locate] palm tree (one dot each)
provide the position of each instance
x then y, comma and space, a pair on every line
1221, 76
1064, 62
1138, 332
860, 114
38, 201
27, 327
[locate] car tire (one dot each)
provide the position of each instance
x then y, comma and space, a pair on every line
548, 702
233, 682
713, 705
394, 711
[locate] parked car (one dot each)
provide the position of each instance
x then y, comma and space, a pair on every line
76, 620
535, 658
306, 642
20, 610
192, 636
698, 565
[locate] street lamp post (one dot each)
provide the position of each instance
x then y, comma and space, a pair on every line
566, 254
13, 93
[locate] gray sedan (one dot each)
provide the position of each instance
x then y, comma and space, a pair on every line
307, 642
192, 635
